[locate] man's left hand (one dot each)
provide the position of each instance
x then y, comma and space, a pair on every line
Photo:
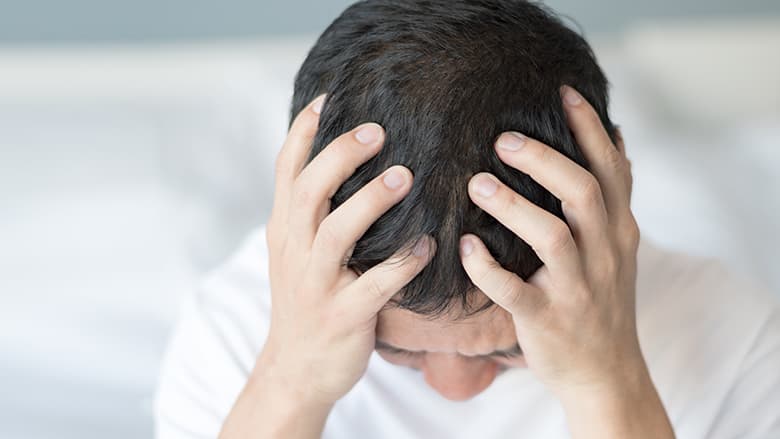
575, 318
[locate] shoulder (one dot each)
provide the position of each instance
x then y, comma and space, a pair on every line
711, 338
699, 300
220, 330
699, 287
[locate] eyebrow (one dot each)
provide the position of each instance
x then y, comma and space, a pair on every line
514, 351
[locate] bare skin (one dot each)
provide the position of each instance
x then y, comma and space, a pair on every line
574, 318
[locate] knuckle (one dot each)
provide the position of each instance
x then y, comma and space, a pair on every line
368, 202
614, 160
545, 154
327, 237
500, 282
508, 291
589, 192
631, 233
558, 239
412, 266
581, 298
303, 195
374, 288
633, 229
536, 151
512, 203
304, 121
337, 161
282, 165
481, 271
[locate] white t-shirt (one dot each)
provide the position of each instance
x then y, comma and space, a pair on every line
711, 340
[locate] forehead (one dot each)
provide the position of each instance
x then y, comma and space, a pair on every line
481, 333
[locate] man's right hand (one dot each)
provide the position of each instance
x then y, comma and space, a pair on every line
323, 317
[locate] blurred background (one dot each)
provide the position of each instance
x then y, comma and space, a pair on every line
137, 142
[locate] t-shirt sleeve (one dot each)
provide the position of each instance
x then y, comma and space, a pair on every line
751, 409
219, 333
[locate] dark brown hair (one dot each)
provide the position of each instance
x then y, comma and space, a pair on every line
445, 78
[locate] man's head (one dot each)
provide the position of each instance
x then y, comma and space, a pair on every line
445, 78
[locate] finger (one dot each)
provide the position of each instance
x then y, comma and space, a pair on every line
578, 189
541, 279
292, 156
606, 162
374, 288
323, 176
339, 231
505, 288
547, 234
619, 143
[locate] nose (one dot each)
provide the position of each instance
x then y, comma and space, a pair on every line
457, 377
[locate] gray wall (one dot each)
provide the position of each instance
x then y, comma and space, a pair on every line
62, 21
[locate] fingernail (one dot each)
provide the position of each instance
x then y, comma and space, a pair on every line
422, 248
368, 134
393, 179
570, 96
511, 141
317, 104
486, 186
466, 246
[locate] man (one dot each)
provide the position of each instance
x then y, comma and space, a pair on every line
451, 254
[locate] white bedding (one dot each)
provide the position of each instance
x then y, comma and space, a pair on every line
127, 171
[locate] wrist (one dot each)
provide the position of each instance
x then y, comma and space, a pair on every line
288, 398
608, 395
625, 404
270, 408
273, 376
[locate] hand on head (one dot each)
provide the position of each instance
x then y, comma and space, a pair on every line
324, 315
575, 317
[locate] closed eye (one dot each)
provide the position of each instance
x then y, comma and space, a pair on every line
396, 351
513, 352
507, 355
